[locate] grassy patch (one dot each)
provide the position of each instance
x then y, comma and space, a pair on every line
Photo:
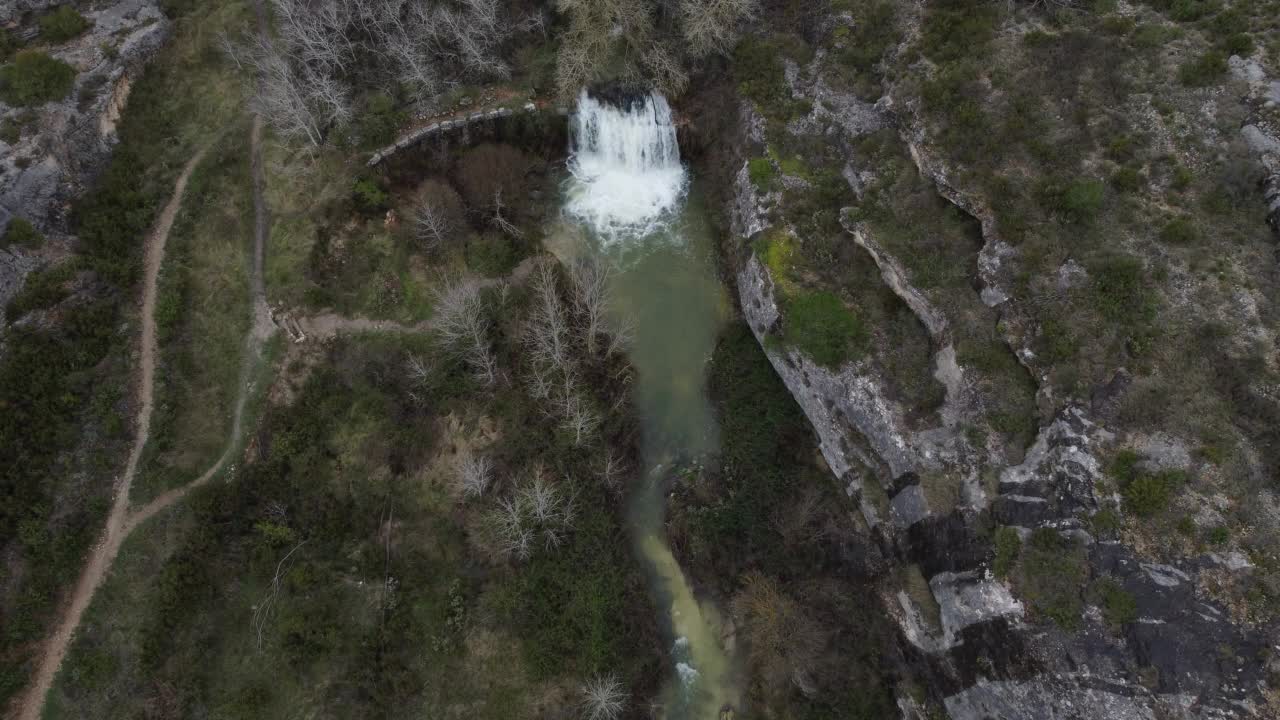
761, 172
1051, 574
1007, 548
202, 317
817, 323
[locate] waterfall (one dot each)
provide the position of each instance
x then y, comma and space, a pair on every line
625, 165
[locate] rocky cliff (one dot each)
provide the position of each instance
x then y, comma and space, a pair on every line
1031, 582
61, 146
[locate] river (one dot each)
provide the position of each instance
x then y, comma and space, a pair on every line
630, 201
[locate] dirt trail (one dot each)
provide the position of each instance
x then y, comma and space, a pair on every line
118, 525
122, 519
259, 333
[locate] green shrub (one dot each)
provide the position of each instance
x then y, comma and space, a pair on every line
369, 195
492, 254
1181, 179
819, 325
21, 233
1105, 523
1007, 546
1190, 10
1179, 231
34, 78
62, 24
1119, 288
1144, 493
761, 171
379, 122
874, 31
42, 289
1118, 604
758, 70
1238, 44
1126, 179
1077, 201
957, 29
1219, 535
1051, 574
1204, 70
1082, 199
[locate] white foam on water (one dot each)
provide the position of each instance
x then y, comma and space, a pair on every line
627, 179
688, 674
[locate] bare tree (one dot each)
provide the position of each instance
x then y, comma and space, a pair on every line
579, 417
592, 297
500, 220
262, 611
548, 333
603, 34
437, 213
536, 509
711, 26
296, 99
612, 471
475, 474
784, 642
463, 325
603, 698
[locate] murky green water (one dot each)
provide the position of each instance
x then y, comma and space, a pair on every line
666, 285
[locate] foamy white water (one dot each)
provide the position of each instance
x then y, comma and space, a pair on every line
625, 166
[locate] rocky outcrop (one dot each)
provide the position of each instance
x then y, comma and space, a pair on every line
976, 643
1261, 130
12, 11
65, 144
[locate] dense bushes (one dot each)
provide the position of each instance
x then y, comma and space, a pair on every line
958, 29
761, 428
113, 217
1203, 70
62, 24
1145, 492
34, 78
1120, 289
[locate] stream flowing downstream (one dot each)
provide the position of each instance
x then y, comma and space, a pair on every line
629, 201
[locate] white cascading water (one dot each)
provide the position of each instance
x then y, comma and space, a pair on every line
627, 176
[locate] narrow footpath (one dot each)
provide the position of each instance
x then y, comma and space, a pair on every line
123, 519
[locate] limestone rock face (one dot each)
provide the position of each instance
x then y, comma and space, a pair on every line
975, 642
12, 10
66, 143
